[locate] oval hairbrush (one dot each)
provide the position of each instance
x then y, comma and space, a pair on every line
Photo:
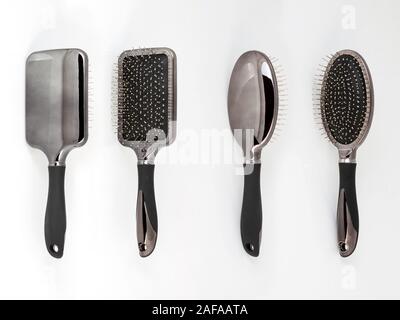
346, 108
253, 105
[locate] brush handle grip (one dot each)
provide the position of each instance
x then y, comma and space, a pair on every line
251, 220
55, 220
146, 211
347, 212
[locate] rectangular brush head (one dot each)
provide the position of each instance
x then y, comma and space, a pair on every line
146, 98
57, 101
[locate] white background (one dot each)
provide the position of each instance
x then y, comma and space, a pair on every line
199, 252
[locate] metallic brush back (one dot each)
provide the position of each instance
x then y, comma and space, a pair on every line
57, 102
253, 102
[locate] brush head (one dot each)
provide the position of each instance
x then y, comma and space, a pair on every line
253, 103
147, 99
346, 99
57, 102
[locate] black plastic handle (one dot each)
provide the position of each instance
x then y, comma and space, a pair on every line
251, 221
347, 212
56, 220
146, 211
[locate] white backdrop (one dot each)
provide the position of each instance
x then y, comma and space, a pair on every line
199, 252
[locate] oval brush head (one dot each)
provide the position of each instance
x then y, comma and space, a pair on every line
254, 102
346, 99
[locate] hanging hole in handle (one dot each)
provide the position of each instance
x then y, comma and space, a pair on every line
343, 247
250, 247
54, 248
142, 247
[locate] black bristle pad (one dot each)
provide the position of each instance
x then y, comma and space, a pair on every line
345, 99
143, 96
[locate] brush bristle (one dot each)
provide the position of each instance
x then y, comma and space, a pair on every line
282, 98
142, 96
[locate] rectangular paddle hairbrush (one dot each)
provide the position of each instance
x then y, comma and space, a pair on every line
146, 123
56, 122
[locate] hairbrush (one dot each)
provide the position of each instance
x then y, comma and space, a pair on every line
253, 105
345, 106
56, 123
146, 123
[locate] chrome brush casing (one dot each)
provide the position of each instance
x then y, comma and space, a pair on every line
57, 102
253, 103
